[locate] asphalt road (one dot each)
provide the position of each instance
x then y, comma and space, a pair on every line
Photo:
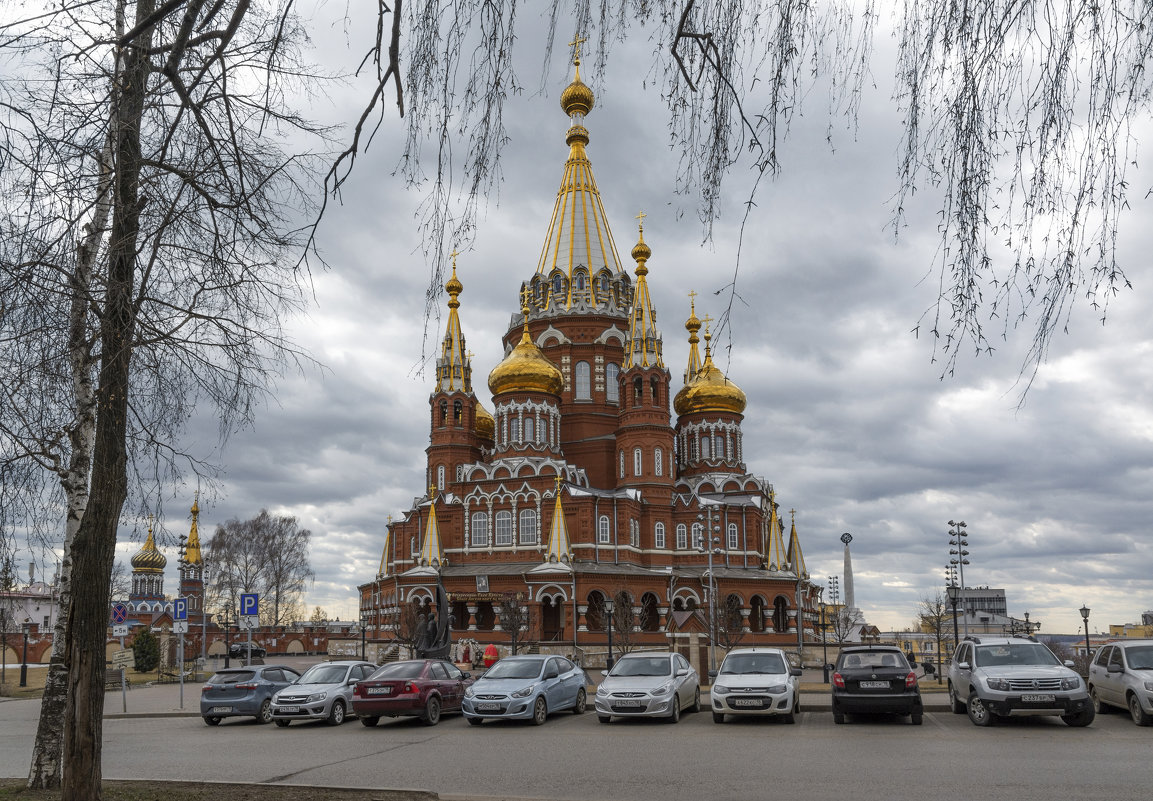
575, 757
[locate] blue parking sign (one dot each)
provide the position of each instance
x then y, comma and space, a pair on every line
180, 609
249, 603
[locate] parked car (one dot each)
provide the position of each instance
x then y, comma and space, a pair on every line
755, 681
1121, 676
874, 679
243, 692
648, 684
240, 650
993, 677
423, 688
324, 692
526, 688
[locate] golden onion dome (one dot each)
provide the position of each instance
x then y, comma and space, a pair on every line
710, 391
148, 559
641, 251
577, 98
525, 369
485, 424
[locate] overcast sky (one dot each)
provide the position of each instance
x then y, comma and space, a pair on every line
848, 416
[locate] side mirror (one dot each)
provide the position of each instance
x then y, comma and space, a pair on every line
682, 672
966, 666
604, 672
1115, 668
795, 672
1070, 663
466, 674
551, 673
712, 674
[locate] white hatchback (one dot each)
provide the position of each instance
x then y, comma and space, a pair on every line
755, 681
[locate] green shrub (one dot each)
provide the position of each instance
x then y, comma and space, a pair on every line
147, 651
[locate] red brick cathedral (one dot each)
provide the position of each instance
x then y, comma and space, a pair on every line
580, 488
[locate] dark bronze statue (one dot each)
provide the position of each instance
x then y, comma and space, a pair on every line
435, 637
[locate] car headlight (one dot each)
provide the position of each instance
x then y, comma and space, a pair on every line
720, 689
469, 692
1149, 686
316, 697
602, 690
998, 684
525, 693
777, 689
664, 689
1071, 683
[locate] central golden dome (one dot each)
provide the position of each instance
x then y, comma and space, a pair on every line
710, 391
148, 559
577, 98
485, 424
525, 369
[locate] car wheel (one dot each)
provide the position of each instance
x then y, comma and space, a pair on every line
978, 712
475, 721
265, 713
336, 714
675, 715
212, 720
957, 704
370, 721
697, 700
282, 723
838, 717
718, 717
1078, 719
581, 702
431, 715
539, 711
790, 716
604, 718
1137, 713
917, 718
1098, 707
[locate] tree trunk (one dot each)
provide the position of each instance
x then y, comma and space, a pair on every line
93, 551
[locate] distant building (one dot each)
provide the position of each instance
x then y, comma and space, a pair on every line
36, 604
974, 601
1135, 631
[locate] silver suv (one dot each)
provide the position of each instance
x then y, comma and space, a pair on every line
1122, 676
993, 677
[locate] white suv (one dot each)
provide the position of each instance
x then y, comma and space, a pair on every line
993, 677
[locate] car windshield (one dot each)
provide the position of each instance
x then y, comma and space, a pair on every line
323, 674
400, 670
232, 677
754, 663
515, 669
643, 666
871, 660
1140, 657
1024, 653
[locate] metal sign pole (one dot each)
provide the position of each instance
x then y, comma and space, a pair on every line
180, 669
123, 684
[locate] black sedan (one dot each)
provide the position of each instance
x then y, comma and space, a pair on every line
875, 679
243, 692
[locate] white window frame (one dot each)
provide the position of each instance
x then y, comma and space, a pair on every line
659, 535
582, 386
612, 383
682, 536
479, 529
529, 527
638, 461
503, 527
734, 538
658, 462
603, 531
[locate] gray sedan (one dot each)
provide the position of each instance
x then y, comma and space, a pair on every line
526, 688
648, 684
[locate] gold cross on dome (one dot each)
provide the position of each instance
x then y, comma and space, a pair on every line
707, 321
576, 43
432, 491
693, 299
793, 515
641, 216
454, 254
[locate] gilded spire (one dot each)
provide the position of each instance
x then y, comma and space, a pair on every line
776, 552
431, 554
796, 558
578, 232
643, 348
192, 548
693, 325
384, 551
559, 550
453, 368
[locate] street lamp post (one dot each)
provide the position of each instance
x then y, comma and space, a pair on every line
226, 624
204, 614
824, 644
710, 544
608, 607
951, 588
958, 543
24, 660
1085, 617
363, 632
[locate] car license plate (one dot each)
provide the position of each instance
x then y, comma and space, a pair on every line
488, 707
1038, 699
219, 710
874, 685
626, 702
380, 691
289, 709
745, 702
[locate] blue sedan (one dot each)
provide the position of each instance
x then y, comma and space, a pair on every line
526, 688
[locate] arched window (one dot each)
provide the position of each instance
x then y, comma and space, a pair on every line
698, 535
480, 529
734, 621
622, 461
443, 412
580, 281
595, 615
636, 461
440, 477
603, 530
757, 614
516, 429
682, 536
612, 383
706, 450
604, 283
780, 614
659, 535
557, 284
650, 613
528, 527
529, 433
659, 462
734, 542
718, 446
457, 412
504, 527
637, 385
583, 385
634, 534
655, 388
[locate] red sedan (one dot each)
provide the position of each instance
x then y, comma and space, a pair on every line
423, 688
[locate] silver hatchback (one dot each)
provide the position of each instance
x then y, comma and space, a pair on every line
324, 692
1121, 675
648, 684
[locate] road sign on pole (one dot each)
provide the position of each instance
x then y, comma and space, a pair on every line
120, 630
119, 613
180, 626
180, 610
249, 603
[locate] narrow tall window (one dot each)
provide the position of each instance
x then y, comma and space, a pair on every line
440, 477
457, 412
682, 536
603, 530
658, 462
659, 535
734, 542
444, 413
504, 528
480, 528
636, 461
516, 429
529, 432
612, 382
622, 461
698, 535
583, 385
706, 449
528, 527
